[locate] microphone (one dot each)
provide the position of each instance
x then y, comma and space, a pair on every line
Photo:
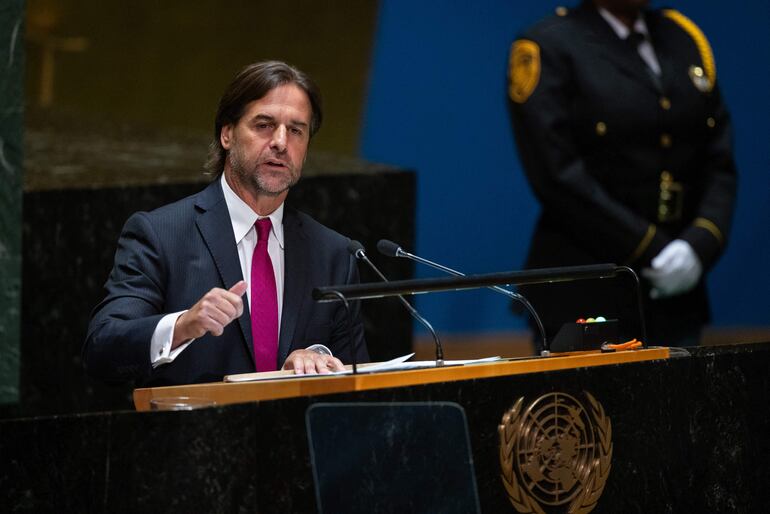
391, 249
357, 250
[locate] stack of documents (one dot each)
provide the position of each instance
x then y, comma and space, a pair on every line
397, 364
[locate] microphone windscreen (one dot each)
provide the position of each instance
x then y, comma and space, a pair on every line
354, 247
388, 248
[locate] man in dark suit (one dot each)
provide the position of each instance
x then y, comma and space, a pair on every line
175, 313
626, 142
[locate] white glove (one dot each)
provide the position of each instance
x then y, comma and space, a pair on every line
675, 270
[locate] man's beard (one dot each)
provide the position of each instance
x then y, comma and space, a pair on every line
255, 180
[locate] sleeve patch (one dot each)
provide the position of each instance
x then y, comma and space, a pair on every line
524, 70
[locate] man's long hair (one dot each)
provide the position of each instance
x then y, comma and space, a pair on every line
252, 83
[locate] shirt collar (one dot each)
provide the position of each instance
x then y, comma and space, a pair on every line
620, 28
243, 217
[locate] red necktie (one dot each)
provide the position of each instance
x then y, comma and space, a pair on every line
264, 302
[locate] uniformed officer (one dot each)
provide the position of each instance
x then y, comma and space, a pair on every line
626, 142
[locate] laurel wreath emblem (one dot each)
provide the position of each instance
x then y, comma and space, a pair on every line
510, 431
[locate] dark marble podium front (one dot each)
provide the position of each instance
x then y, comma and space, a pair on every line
690, 434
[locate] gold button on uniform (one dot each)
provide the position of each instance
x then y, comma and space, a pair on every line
561, 11
665, 140
601, 128
665, 103
711, 122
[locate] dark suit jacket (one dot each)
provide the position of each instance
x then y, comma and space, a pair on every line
167, 259
594, 137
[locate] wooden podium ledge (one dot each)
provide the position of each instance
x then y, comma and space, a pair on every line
242, 392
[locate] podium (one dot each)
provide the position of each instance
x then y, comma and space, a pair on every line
653, 430
223, 393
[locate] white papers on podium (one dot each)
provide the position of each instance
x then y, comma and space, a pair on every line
397, 364
387, 366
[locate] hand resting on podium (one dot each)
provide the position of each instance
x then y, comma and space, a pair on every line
218, 308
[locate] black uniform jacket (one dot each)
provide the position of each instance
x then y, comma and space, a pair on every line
597, 132
169, 258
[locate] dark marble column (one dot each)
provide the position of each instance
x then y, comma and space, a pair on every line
11, 115
69, 245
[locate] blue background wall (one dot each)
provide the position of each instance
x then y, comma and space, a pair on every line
437, 104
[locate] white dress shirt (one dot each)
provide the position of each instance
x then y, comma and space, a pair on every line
646, 51
243, 219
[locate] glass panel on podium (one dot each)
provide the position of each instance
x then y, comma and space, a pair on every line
391, 457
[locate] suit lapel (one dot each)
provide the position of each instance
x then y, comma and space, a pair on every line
615, 50
662, 52
216, 229
295, 276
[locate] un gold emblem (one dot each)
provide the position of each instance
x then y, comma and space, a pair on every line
524, 69
555, 453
